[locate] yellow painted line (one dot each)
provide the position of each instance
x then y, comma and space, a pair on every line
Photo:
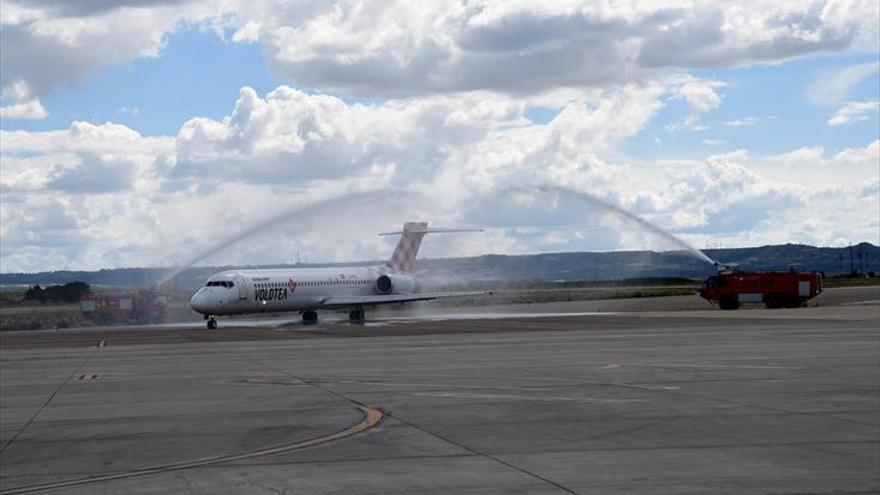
371, 418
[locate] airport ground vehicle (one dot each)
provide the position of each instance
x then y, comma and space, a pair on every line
139, 307
730, 289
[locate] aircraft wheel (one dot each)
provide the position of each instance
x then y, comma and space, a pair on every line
212, 324
310, 317
356, 315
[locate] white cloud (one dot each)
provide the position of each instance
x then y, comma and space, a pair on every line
86, 158
28, 110
869, 155
394, 49
712, 142
23, 105
747, 121
813, 168
806, 156
701, 98
458, 78
734, 199
701, 95
17, 91
47, 44
836, 86
854, 111
80, 136
140, 198
290, 136
133, 111
397, 48
122, 199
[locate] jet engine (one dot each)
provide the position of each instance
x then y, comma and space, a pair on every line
395, 284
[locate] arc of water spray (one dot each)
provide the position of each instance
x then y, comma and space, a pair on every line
287, 216
617, 210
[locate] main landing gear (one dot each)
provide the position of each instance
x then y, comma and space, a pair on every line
310, 317
356, 315
212, 323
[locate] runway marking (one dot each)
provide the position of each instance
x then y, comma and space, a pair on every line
429, 385
371, 417
491, 457
870, 302
69, 378
698, 365
380, 383
642, 386
544, 398
396, 320
269, 381
87, 377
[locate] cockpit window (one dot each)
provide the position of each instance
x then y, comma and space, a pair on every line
220, 283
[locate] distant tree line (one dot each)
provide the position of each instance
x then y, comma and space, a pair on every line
861, 258
69, 292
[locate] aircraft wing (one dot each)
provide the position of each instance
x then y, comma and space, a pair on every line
346, 301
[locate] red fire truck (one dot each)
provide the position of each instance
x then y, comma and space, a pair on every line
139, 307
730, 289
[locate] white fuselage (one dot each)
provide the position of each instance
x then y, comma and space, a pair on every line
288, 289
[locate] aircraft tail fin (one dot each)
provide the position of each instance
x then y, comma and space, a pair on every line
404, 257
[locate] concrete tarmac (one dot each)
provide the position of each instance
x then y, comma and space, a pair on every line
693, 401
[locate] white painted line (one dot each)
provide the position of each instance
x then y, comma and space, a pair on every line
540, 398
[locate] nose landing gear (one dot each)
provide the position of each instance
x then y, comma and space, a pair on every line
212, 323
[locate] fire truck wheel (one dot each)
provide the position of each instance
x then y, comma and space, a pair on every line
728, 303
773, 301
792, 302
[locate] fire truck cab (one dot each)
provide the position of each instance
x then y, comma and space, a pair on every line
730, 290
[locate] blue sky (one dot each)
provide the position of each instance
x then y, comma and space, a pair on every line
168, 90
777, 93
124, 124
197, 74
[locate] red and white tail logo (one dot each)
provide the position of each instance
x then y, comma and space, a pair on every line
404, 257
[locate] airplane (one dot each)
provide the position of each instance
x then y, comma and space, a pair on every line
235, 292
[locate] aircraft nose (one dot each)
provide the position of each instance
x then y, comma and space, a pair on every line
199, 302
